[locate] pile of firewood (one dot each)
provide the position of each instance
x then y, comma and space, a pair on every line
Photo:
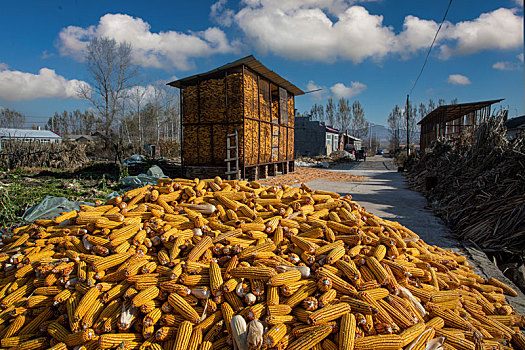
479, 186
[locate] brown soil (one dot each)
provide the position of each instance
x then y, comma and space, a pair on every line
305, 174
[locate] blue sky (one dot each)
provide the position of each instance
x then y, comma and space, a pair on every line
367, 50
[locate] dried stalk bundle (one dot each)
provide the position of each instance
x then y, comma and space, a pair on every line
17, 154
480, 189
216, 264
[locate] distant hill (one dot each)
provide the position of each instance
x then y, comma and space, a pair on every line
383, 135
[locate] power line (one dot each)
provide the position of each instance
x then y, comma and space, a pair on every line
430, 48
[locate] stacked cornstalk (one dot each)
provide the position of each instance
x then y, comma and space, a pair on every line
16, 154
480, 188
213, 264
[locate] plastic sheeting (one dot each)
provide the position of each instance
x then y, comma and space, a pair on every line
150, 178
51, 207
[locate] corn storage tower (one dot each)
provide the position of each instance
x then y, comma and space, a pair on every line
243, 101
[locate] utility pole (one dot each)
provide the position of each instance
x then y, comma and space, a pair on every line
370, 138
408, 126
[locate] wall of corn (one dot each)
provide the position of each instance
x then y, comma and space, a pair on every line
213, 264
215, 107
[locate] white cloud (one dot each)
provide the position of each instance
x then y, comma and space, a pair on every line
3, 66
160, 50
220, 14
318, 95
340, 90
331, 30
16, 85
417, 34
458, 79
507, 65
500, 29
305, 32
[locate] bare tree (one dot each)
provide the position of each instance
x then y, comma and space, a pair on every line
395, 121
111, 75
412, 122
317, 112
431, 105
343, 114
330, 112
359, 122
137, 97
11, 119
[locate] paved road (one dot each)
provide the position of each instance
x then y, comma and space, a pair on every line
386, 194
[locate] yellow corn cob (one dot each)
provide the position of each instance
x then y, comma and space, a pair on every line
337, 282
12, 342
79, 337
506, 289
386, 342
328, 313
358, 305
108, 341
216, 280
15, 326
195, 339
145, 295
57, 331
16, 295
183, 336
411, 333
276, 310
285, 277
275, 334
86, 302
253, 272
204, 244
92, 314
183, 308
302, 293
110, 261
311, 338
347, 330
32, 344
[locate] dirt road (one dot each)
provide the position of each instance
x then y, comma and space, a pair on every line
386, 194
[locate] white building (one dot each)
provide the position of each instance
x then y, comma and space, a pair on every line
28, 135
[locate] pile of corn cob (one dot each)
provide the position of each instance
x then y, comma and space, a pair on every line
213, 264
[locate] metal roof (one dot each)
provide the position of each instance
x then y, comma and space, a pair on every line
248, 61
453, 112
28, 133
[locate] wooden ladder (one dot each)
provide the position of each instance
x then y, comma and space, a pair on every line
232, 158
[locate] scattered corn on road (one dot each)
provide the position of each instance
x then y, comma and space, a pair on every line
386, 194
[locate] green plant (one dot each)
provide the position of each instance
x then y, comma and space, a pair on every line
123, 171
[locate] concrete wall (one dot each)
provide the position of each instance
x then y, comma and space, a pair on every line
310, 138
